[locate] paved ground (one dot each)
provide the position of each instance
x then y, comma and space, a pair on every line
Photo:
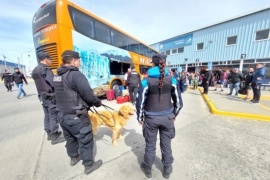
206, 146
224, 102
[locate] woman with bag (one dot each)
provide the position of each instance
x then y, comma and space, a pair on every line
248, 80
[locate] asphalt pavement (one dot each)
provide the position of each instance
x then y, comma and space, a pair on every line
206, 146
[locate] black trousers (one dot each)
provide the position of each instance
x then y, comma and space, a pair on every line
51, 124
8, 85
164, 124
205, 87
79, 137
256, 91
133, 90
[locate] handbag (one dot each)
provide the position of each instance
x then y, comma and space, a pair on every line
242, 90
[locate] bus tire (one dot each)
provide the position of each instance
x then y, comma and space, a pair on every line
116, 82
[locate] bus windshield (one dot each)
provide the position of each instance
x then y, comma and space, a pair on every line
45, 16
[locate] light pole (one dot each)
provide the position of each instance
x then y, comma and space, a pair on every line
22, 60
243, 56
29, 63
5, 61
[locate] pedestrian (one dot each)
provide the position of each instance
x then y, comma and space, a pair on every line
219, 79
156, 113
74, 96
126, 75
18, 78
133, 82
43, 77
196, 81
257, 81
248, 81
206, 81
235, 77
183, 81
8, 79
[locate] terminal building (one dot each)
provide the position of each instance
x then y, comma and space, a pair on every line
10, 66
240, 42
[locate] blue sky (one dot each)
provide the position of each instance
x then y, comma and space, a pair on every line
148, 20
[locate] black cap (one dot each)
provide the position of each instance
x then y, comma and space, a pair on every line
42, 55
157, 57
69, 53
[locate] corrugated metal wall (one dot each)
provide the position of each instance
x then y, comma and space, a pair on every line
215, 39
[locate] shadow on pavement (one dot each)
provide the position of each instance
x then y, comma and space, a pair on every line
137, 143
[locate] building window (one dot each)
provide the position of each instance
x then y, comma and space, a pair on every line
174, 51
168, 52
200, 46
180, 50
231, 40
261, 35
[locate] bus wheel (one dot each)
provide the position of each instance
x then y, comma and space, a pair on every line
115, 83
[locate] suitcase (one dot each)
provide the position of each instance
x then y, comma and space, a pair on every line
125, 92
110, 95
120, 99
127, 98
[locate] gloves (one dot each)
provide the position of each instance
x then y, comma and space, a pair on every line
97, 103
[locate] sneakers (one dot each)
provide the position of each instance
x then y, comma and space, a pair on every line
146, 169
255, 102
56, 138
221, 90
229, 94
215, 89
49, 136
93, 167
74, 160
167, 172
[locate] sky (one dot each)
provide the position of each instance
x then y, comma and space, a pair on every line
150, 21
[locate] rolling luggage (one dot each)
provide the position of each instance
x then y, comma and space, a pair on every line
110, 95
120, 99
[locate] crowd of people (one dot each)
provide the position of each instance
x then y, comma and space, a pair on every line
224, 78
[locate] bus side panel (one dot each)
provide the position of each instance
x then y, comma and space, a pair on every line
65, 40
139, 60
96, 58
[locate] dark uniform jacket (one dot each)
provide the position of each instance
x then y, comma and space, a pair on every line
72, 90
133, 79
248, 78
18, 77
8, 77
150, 102
235, 77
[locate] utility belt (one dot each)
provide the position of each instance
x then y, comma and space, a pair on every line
81, 112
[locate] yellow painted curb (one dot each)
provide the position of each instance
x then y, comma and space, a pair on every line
214, 110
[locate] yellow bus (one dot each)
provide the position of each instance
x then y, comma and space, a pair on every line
106, 51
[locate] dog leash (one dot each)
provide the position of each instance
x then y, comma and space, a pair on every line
100, 115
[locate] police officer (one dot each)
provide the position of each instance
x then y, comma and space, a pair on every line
73, 98
156, 113
8, 79
43, 77
133, 82
206, 81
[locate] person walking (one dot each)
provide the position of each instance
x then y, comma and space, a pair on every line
74, 97
235, 77
126, 76
206, 81
18, 78
133, 82
257, 81
8, 79
156, 113
43, 77
248, 81
219, 79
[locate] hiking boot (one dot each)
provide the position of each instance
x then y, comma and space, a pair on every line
74, 160
167, 172
57, 139
255, 102
93, 167
49, 136
146, 169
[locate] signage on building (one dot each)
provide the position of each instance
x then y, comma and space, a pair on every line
176, 42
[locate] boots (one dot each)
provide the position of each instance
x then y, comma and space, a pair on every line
146, 169
167, 171
56, 138
74, 160
49, 136
93, 167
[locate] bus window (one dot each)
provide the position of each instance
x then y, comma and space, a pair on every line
118, 68
144, 69
102, 32
134, 46
46, 15
81, 22
119, 40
